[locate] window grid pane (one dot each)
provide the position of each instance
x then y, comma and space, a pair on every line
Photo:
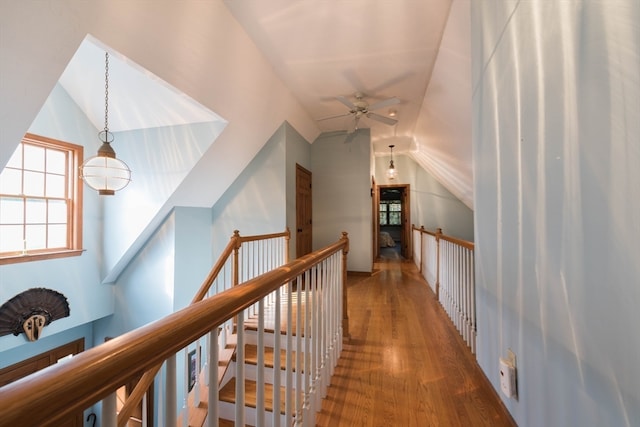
394, 218
11, 181
36, 212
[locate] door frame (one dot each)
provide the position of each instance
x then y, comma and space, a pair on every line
406, 219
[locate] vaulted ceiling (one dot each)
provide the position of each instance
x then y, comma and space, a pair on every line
416, 51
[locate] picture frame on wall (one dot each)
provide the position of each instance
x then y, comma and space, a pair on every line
192, 368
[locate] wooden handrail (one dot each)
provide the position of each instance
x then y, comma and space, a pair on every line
438, 234
67, 388
235, 242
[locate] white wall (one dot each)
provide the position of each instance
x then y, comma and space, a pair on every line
557, 169
341, 195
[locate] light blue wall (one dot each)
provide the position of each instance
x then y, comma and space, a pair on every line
193, 254
160, 159
46, 343
342, 195
76, 277
256, 201
557, 166
298, 152
145, 290
432, 205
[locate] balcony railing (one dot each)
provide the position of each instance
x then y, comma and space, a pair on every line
314, 329
447, 264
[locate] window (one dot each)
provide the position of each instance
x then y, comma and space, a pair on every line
41, 201
390, 212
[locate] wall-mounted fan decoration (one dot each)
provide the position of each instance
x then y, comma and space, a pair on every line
30, 311
359, 108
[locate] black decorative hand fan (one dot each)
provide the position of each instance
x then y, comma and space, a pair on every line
32, 310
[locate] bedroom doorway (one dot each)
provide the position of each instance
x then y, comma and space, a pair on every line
393, 221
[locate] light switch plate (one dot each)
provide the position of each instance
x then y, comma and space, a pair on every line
507, 378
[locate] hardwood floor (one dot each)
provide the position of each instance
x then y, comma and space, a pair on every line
405, 364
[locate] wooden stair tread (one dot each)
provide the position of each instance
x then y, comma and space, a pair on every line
228, 394
251, 356
270, 327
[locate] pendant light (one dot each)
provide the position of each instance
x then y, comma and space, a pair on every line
104, 172
392, 173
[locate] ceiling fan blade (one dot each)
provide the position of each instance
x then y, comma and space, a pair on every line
350, 137
333, 117
382, 119
353, 126
346, 102
385, 103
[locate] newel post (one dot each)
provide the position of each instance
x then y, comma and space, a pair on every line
345, 315
421, 247
236, 257
287, 240
438, 235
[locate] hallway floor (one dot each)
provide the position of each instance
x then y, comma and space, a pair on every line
405, 364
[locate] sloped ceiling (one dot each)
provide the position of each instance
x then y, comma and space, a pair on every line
255, 64
415, 50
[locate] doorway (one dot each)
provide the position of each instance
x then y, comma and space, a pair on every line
393, 221
303, 212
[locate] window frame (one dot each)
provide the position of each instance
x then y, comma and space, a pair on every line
74, 199
387, 211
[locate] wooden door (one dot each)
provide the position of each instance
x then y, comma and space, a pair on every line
33, 364
406, 224
303, 212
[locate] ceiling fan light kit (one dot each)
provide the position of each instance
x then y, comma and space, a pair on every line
360, 108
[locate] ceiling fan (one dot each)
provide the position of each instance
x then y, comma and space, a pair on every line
360, 108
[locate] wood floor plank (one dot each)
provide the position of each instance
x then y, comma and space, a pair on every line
405, 365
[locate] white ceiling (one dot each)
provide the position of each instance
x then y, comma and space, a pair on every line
325, 49
137, 99
415, 50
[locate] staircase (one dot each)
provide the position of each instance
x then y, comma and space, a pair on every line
276, 372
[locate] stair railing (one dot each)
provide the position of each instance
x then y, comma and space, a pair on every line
447, 264
251, 255
65, 389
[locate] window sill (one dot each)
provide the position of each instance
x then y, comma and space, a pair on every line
14, 259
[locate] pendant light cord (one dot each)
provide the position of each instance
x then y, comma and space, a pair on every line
106, 93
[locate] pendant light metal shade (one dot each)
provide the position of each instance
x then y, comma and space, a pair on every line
104, 172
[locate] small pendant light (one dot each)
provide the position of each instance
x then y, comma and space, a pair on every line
392, 173
104, 172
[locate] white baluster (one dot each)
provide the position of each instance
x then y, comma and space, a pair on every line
260, 367
240, 396
213, 414
276, 358
196, 393
171, 410
109, 411
185, 406
289, 369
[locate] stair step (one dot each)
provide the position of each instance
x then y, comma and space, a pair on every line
251, 324
251, 356
228, 394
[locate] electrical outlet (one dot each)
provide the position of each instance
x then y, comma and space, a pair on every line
508, 383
